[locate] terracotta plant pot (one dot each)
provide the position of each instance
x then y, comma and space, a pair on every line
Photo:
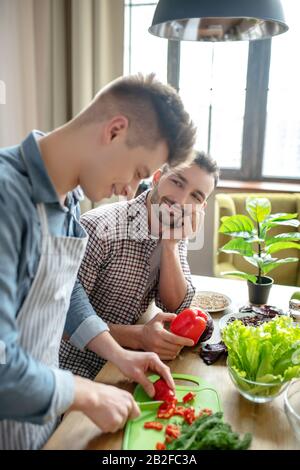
259, 293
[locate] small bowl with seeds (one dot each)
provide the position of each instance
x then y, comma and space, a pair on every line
211, 301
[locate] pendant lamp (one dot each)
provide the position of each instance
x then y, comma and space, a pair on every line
218, 20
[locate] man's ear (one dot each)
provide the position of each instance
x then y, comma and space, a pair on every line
116, 127
156, 177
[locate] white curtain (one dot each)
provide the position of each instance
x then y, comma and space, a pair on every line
54, 56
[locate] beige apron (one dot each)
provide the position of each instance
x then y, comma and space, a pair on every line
42, 318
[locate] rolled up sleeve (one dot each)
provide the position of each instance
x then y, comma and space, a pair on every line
82, 324
63, 395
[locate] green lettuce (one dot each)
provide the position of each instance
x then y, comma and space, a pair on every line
267, 354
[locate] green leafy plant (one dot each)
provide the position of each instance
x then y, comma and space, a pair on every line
251, 239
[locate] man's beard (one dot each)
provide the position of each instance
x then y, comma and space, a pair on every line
165, 218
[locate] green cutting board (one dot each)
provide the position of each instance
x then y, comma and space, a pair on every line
136, 437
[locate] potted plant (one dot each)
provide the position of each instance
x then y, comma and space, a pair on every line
252, 240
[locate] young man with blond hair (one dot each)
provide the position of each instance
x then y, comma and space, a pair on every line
131, 128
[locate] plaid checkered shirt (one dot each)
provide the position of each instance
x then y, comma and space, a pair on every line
115, 273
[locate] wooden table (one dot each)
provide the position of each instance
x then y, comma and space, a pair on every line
267, 422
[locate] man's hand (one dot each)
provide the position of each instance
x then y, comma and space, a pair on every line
186, 226
135, 364
157, 339
108, 407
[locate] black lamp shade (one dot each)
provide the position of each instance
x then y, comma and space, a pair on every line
218, 20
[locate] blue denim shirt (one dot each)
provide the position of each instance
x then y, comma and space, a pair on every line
30, 391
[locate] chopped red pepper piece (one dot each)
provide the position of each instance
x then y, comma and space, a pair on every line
173, 431
166, 410
189, 397
189, 415
153, 425
179, 411
160, 446
205, 411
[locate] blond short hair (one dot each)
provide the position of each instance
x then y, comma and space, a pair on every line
155, 113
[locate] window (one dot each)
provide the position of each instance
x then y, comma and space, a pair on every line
213, 91
282, 141
241, 95
143, 52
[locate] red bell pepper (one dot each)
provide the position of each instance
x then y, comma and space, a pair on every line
163, 392
190, 323
153, 425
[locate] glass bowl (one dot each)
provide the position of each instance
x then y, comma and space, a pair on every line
256, 392
292, 406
